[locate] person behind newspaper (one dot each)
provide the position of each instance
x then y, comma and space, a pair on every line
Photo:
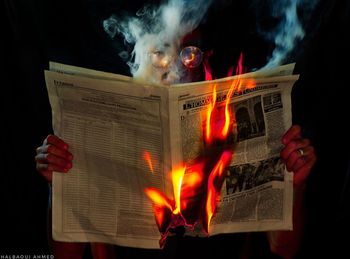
298, 156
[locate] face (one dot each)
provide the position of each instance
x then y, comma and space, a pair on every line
167, 61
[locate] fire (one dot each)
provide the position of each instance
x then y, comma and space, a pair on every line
177, 178
208, 75
148, 159
214, 191
158, 198
197, 185
208, 132
162, 206
217, 127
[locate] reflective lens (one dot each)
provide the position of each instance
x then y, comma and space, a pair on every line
191, 56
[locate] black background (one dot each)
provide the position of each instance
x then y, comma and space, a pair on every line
34, 32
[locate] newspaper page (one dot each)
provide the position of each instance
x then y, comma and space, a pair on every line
108, 125
109, 122
258, 192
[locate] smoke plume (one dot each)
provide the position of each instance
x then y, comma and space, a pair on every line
156, 33
289, 30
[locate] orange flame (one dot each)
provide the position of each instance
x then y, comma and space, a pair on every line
147, 157
192, 179
213, 129
177, 177
228, 113
161, 204
158, 198
209, 116
214, 191
217, 128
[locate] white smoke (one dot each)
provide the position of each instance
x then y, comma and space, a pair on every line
290, 30
156, 34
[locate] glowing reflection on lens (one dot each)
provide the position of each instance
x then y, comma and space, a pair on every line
191, 56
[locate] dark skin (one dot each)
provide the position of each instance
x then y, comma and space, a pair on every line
53, 155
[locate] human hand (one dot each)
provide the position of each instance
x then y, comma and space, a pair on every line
298, 154
53, 155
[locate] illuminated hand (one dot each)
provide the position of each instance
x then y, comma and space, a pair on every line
53, 155
298, 154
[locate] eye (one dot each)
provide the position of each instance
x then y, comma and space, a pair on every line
160, 59
191, 56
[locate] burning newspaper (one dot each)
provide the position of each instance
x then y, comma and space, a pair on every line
150, 158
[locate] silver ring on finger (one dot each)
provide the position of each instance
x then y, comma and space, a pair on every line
301, 152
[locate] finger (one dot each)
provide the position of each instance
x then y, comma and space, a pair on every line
299, 162
293, 132
41, 158
302, 173
56, 141
53, 159
308, 155
45, 162
39, 150
293, 146
295, 160
55, 151
291, 160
